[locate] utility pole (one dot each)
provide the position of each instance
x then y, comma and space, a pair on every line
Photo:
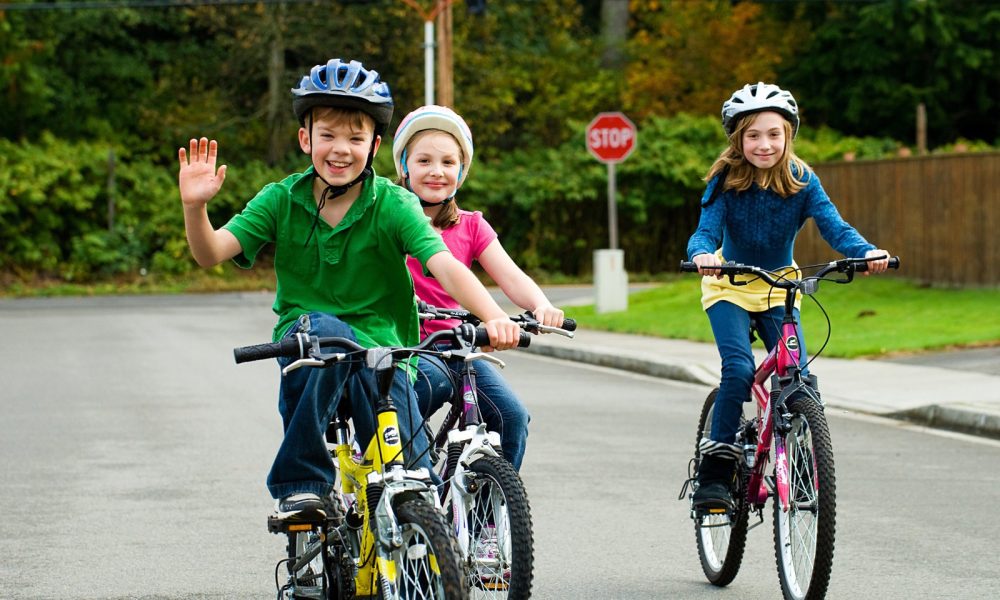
446, 83
438, 7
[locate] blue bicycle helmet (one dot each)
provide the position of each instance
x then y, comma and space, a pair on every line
344, 85
758, 97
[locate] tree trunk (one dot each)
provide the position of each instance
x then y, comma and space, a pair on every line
276, 99
614, 31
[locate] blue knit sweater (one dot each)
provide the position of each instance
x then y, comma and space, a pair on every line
758, 227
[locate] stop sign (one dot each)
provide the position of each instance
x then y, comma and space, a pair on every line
611, 137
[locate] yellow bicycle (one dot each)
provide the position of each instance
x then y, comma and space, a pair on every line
384, 535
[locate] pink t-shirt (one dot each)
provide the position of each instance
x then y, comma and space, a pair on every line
467, 240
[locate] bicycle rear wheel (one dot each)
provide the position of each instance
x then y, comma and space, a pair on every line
721, 538
501, 545
804, 536
326, 573
427, 564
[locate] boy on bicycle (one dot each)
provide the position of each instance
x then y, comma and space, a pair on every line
340, 234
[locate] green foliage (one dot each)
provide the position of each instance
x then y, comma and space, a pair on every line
71, 211
527, 76
826, 145
868, 65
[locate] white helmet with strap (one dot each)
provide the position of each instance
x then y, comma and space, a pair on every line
758, 97
427, 117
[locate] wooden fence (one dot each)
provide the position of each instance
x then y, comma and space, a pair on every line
940, 214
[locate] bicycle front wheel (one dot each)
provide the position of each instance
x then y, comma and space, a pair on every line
501, 545
804, 535
427, 564
721, 538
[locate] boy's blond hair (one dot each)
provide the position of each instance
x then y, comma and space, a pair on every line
787, 177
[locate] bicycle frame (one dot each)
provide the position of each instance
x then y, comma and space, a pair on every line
375, 480
780, 368
475, 441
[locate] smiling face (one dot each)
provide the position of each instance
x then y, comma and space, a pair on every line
764, 139
433, 162
339, 144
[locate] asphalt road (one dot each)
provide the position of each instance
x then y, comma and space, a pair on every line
135, 451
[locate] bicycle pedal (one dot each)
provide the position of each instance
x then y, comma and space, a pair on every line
700, 512
276, 525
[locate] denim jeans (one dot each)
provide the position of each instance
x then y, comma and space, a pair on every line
308, 398
498, 405
731, 327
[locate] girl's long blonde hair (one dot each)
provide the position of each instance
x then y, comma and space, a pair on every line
787, 177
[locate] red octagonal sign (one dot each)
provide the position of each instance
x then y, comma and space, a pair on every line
611, 137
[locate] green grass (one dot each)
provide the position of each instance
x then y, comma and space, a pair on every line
872, 316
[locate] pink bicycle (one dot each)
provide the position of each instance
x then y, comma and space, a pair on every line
789, 422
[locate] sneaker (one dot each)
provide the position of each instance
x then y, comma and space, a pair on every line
715, 475
489, 560
300, 507
713, 494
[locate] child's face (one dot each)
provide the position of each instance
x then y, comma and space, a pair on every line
764, 140
338, 146
433, 160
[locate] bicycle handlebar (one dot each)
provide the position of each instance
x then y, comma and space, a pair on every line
526, 320
301, 345
844, 265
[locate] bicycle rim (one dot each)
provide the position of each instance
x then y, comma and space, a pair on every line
804, 535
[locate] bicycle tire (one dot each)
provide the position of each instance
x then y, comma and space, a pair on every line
500, 500
427, 564
721, 539
804, 536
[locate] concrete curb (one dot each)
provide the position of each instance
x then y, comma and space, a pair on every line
969, 421
953, 419
636, 364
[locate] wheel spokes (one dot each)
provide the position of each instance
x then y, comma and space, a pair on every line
803, 513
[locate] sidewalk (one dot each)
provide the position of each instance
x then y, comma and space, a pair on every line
947, 398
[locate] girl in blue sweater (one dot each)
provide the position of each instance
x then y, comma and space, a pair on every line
758, 197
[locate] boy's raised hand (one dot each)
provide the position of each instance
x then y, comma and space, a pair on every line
198, 179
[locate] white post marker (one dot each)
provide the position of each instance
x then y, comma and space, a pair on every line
611, 138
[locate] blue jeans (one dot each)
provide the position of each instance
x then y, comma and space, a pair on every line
731, 327
498, 405
307, 400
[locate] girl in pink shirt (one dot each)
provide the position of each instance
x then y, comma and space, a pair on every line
432, 150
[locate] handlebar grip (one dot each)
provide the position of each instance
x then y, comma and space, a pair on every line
483, 338
688, 266
286, 347
863, 267
569, 324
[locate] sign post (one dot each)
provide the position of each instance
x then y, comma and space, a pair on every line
611, 138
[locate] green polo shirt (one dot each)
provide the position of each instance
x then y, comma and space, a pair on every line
356, 270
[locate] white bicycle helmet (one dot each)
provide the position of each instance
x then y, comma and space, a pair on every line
758, 97
432, 117
344, 85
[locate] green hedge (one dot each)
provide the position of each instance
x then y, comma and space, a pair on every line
548, 204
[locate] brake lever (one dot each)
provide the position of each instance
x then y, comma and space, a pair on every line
302, 362
312, 361
562, 332
474, 356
